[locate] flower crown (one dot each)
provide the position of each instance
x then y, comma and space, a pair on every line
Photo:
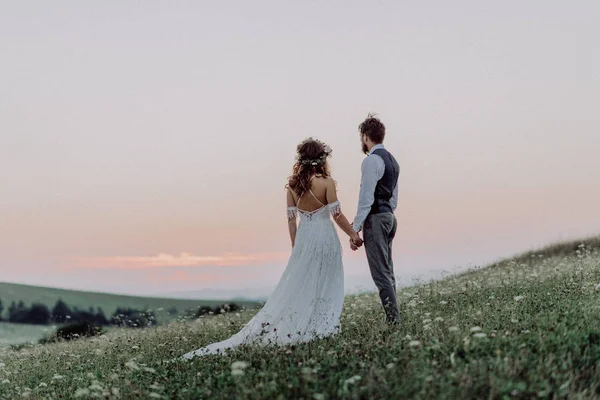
315, 161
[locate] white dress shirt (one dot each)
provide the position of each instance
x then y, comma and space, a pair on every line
372, 170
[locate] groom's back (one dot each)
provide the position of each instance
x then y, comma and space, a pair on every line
386, 185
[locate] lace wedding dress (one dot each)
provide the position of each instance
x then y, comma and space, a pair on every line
307, 302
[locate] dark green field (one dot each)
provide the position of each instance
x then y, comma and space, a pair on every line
108, 302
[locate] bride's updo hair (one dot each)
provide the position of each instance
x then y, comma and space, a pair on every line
311, 159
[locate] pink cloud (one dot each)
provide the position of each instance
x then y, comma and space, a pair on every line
181, 260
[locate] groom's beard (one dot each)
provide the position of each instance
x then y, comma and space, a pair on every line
365, 149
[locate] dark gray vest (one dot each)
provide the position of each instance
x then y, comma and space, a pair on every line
386, 185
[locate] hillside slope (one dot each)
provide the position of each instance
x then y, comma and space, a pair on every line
527, 327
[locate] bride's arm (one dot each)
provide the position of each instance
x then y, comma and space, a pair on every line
291, 216
338, 216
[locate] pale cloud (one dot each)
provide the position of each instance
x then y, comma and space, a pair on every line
181, 260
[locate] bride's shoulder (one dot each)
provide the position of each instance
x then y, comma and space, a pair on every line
324, 180
327, 182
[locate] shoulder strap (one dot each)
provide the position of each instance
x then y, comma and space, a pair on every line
313, 195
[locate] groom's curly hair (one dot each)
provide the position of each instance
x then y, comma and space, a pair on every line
302, 172
373, 128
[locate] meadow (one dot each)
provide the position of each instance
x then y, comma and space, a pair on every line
522, 328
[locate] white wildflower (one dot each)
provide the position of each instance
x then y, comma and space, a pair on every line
480, 335
443, 302
85, 392
132, 365
57, 377
352, 380
476, 329
390, 366
454, 329
414, 343
239, 365
519, 298
237, 372
439, 319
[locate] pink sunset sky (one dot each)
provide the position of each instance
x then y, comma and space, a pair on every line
144, 147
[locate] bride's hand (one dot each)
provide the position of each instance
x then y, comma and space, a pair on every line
356, 242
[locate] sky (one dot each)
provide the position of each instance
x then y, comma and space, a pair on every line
145, 146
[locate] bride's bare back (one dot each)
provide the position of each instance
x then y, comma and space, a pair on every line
316, 197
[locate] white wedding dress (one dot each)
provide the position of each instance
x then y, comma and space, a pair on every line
307, 302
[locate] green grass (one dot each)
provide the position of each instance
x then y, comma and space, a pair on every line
12, 334
108, 302
523, 328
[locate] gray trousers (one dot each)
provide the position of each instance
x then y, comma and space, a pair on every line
379, 231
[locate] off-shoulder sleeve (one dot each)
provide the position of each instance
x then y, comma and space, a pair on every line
292, 213
335, 209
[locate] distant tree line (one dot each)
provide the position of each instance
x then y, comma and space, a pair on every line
61, 313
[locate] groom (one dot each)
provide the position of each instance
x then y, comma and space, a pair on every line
377, 202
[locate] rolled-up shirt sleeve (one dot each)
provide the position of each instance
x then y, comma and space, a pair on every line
372, 170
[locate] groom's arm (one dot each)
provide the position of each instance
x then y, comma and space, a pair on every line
372, 171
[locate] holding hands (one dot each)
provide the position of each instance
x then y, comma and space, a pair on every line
356, 242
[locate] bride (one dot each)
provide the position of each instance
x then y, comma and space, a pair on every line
307, 302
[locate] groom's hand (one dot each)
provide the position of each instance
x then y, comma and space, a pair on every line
356, 242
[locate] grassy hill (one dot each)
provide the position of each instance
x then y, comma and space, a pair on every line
526, 327
108, 302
